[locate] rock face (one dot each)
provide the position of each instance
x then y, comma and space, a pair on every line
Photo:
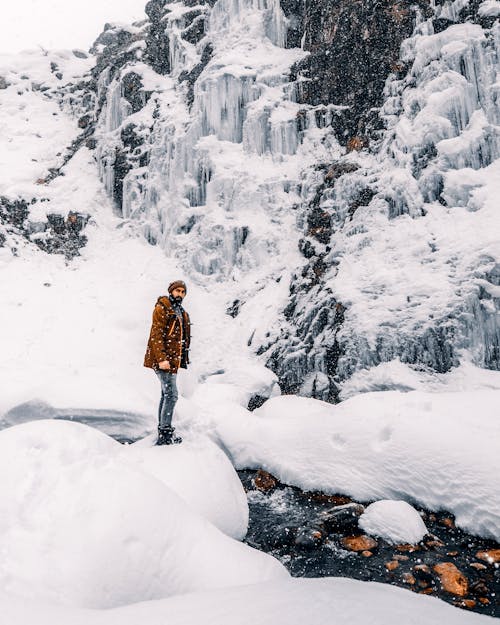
328, 147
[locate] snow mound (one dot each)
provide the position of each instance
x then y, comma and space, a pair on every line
394, 521
81, 526
202, 475
291, 601
439, 450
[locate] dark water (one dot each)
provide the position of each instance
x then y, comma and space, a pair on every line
281, 516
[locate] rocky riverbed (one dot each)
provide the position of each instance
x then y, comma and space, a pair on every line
317, 535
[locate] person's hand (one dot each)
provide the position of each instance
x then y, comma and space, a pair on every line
164, 365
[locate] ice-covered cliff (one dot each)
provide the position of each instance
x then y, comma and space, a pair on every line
334, 164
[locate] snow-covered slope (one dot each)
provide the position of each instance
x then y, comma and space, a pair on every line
210, 135
293, 602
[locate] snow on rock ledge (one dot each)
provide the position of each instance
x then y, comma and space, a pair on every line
394, 521
439, 450
81, 526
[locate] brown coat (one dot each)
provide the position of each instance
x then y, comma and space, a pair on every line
166, 337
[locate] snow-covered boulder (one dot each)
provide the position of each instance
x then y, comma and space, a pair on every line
394, 521
82, 526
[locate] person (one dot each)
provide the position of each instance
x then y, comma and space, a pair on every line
167, 352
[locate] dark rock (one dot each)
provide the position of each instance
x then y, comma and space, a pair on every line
80, 54
256, 401
479, 588
353, 47
84, 121
309, 537
3, 83
341, 517
157, 42
264, 481
234, 310
195, 31
133, 91
191, 77
423, 575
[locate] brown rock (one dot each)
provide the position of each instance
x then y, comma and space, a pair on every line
448, 522
392, 565
357, 144
422, 567
359, 543
400, 557
366, 554
433, 544
336, 500
409, 579
492, 556
484, 600
264, 481
452, 554
452, 579
339, 169
407, 548
478, 566
396, 67
426, 591
465, 603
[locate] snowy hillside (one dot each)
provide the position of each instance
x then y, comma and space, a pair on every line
325, 178
377, 219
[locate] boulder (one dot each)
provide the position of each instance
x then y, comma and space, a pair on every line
309, 537
452, 579
359, 543
341, 517
492, 556
392, 565
264, 481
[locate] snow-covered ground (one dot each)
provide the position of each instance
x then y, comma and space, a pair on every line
291, 602
87, 523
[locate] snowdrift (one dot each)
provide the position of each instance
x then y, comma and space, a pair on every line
294, 602
439, 450
82, 526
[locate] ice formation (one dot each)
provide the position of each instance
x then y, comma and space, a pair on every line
214, 152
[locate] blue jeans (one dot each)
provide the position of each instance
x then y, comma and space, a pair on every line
168, 397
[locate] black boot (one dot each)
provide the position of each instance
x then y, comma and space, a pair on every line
166, 436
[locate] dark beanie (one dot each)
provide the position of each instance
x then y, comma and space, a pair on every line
176, 285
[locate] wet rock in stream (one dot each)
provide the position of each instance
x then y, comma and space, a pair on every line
317, 535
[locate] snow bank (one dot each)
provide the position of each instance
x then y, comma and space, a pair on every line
439, 450
394, 521
202, 475
81, 526
292, 601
